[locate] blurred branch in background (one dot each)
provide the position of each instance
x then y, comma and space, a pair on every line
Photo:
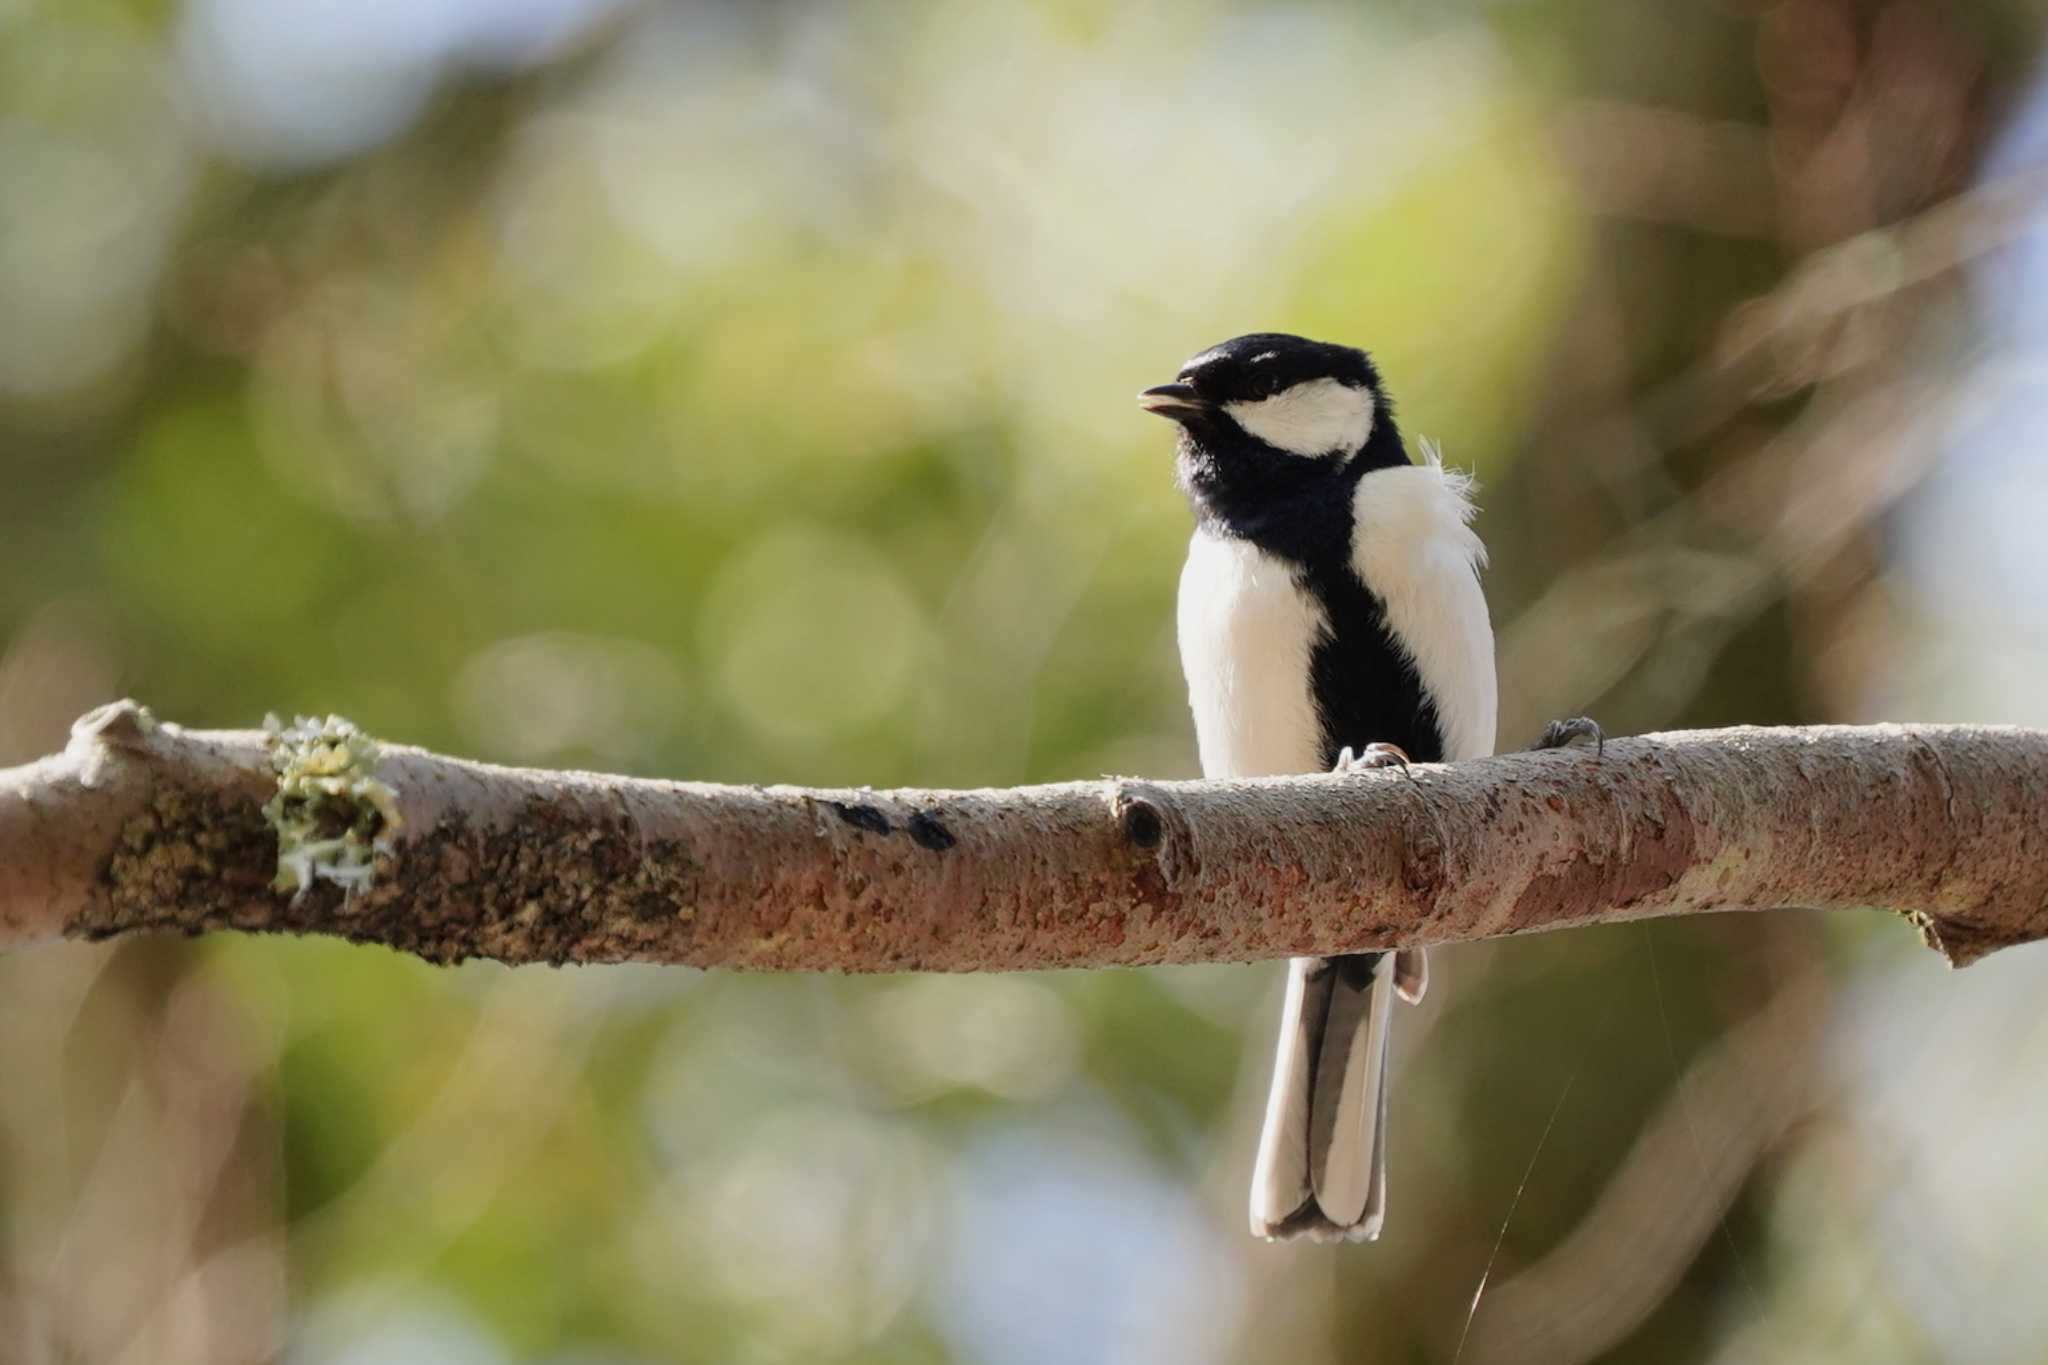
1781, 513
140, 825
1723, 1113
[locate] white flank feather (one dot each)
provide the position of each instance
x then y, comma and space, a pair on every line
1413, 545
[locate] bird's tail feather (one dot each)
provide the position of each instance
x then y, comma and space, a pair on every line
1321, 1171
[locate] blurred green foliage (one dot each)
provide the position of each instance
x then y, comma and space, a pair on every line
743, 394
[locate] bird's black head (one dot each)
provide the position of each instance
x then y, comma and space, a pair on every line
1271, 418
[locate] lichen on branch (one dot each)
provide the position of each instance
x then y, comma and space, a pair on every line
333, 815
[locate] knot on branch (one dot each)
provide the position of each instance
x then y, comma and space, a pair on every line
123, 724
1152, 820
108, 733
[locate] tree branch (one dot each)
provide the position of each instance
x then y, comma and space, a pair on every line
140, 826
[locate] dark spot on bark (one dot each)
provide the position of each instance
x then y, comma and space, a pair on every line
868, 818
1142, 825
929, 833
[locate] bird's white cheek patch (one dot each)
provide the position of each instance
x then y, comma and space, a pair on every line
1320, 417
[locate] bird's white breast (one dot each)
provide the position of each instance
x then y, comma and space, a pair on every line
1246, 634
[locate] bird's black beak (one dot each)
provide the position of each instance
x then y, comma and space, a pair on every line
1175, 401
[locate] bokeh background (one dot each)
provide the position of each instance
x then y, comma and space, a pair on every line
744, 392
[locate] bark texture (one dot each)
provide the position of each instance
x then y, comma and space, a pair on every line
146, 826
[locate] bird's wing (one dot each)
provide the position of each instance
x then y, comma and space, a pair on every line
1414, 547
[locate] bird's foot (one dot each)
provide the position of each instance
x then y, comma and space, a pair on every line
1560, 734
1370, 757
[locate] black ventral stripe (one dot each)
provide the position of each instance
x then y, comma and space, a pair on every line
1367, 690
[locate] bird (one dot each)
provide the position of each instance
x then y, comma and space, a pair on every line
1330, 616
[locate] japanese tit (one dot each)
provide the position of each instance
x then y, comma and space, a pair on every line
1330, 616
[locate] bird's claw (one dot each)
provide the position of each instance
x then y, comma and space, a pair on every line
1370, 757
1560, 734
